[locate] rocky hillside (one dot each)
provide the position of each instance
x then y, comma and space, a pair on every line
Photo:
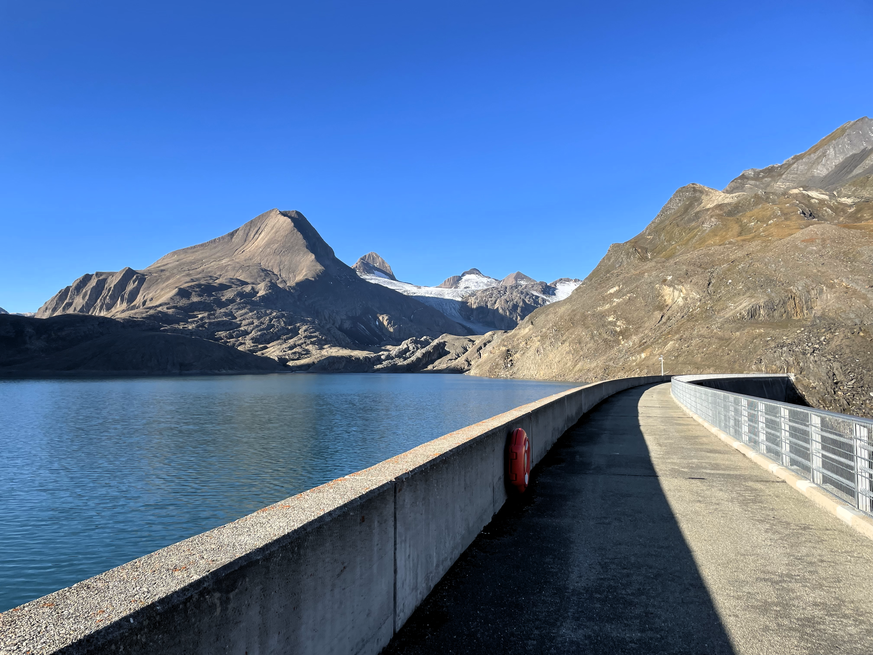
77, 344
480, 302
272, 287
842, 162
772, 274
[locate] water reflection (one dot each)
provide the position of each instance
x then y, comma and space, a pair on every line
95, 473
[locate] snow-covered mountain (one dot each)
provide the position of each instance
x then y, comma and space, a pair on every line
472, 298
472, 279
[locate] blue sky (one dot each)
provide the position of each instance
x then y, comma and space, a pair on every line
443, 135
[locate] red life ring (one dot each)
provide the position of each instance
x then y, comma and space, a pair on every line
518, 460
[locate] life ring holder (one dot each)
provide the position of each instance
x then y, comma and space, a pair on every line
518, 461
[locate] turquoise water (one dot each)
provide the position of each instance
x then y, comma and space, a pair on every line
95, 473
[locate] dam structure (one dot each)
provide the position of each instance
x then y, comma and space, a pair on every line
706, 515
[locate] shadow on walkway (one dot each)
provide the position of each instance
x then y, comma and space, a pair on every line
591, 560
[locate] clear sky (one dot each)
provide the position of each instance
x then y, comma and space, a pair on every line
443, 135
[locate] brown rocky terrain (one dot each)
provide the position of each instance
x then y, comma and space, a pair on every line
272, 287
773, 274
447, 353
502, 307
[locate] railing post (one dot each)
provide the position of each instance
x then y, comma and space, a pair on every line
815, 447
863, 486
785, 446
762, 428
744, 417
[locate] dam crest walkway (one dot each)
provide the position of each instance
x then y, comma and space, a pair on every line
641, 532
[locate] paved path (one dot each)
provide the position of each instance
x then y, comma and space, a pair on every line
643, 533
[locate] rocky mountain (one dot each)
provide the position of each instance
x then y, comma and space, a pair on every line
78, 344
373, 264
841, 162
3, 311
473, 299
272, 287
472, 279
772, 274
517, 278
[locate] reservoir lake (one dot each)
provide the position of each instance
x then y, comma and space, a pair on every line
97, 472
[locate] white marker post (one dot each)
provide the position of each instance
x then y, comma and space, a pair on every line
661, 357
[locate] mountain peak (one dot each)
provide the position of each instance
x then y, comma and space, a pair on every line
467, 280
283, 243
516, 278
842, 157
450, 282
373, 264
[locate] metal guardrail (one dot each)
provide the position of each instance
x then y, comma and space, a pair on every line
835, 451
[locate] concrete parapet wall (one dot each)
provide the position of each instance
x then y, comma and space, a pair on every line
778, 387
337, 569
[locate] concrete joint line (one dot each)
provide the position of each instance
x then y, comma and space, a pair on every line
394, 612
789, 476
761, 461
846, 513
849, 513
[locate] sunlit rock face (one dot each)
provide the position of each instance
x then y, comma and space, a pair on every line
272, 287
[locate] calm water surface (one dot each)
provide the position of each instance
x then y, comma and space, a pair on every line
94, 473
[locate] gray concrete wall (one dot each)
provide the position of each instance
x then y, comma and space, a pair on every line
769, 387
337, 569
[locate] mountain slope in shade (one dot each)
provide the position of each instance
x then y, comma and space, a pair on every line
756, 278
271, 287
77, 344
3, 311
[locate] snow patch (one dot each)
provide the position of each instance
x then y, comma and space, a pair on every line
408, 289
564, 289
477, 282
469, 284
450, 301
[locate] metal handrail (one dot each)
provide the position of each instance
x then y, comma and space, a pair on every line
834, 451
